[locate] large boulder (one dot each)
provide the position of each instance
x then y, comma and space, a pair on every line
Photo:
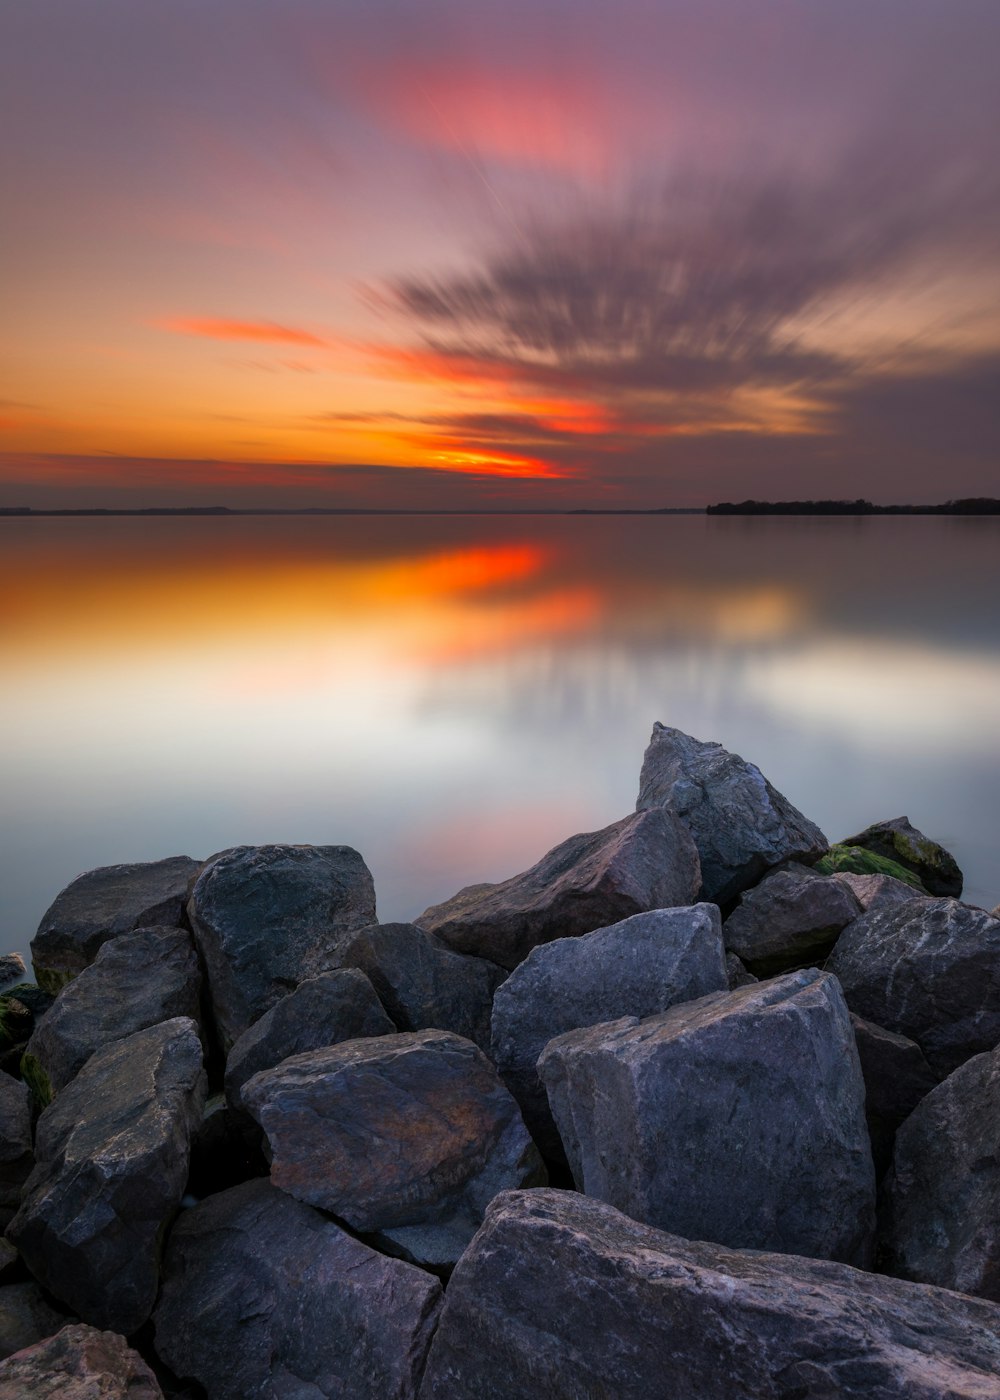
102, 904
112, 1161
424, 984
942, 1222
264, 1296
928, 969
899, 841
737, 1118
401, 1130
78, 1363
267, 917
16, 1158
897, 1076
645, 861
135, 981
740, 823
322, 1010
791, 919
563, 1297
638, 967
26, 1317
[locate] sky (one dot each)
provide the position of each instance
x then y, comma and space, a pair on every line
485, 255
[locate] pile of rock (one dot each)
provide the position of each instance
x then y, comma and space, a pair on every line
254, 1143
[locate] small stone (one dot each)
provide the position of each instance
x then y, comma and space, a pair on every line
78, 1363
738, 974
897, 840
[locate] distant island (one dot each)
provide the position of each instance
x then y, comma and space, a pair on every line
969, 505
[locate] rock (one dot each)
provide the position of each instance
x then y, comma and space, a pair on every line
855, 860
12, 969
405, 1129
267, 917
942, 1221
791, 919
227, 1148
135, 981
112, 1161
78, 1363
645, 861
740, 823
563, 1297
16, 1156
896, 840
737, 974
263, 1296
877, 891
897, 1077
737, 1118
16, 1020
26, 1317
928, 969
638, 967
322, 1010
424, 984
103, 904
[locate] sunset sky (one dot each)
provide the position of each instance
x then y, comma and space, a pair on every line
655, 253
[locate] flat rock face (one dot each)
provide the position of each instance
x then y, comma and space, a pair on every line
323, 1010
638, 967
563, 1297
943, 1192
645, 861
737, 1118
16, 1158
935, 868
263, 1296
78, 1363
135, 981
267, 917
102, 904
740, 823
897, 1076
424, 984
112, 1160
26, 1317
403, 1130
791, 919
928, 969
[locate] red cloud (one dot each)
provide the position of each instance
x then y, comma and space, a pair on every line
221, 328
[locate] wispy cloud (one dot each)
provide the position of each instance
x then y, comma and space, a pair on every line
224, 328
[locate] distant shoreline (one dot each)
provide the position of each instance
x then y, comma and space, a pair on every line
964, 507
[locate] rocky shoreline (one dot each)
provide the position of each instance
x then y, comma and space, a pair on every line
699, 1106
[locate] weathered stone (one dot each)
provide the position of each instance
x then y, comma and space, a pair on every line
928, 969
26, 1317
935, 868
740, 823
942, 1222
404, 1129
103, 903
563, 1297
78, 1363
12, 968
897, 1077
15, 1139
737, 974
322, 1010
112, 1160
877, 891
135, 981
645, 861
424, 984
791, 919
638, 967
737, 1118
843, 859
267, 917
263, 1296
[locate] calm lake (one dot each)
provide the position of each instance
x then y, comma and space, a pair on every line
454, 695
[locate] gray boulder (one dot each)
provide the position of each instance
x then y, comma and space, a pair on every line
401, 1130
874, 892
791, 919
897, 1077
102, 904
322, 1010
928, 969
78, 1363
563, 1297
942, 1222
740, 823
26, 1317
645, 861
424, 984
737, 1118
135, 981
638, 967
263, 1296
16, 1156
935, 868
267, 917
112, 1160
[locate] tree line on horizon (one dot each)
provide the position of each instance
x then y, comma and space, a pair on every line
967, 505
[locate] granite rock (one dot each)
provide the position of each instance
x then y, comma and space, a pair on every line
791, 919
738, 974
897, 1077
874, 892
78, 1363
897, 840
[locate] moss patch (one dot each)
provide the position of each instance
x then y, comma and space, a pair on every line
855, 860
53, 979
36, 1079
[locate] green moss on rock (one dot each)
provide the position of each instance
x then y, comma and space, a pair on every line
855, 860
53, 979
36, 1079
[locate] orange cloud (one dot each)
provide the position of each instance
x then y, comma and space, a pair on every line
221, 328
